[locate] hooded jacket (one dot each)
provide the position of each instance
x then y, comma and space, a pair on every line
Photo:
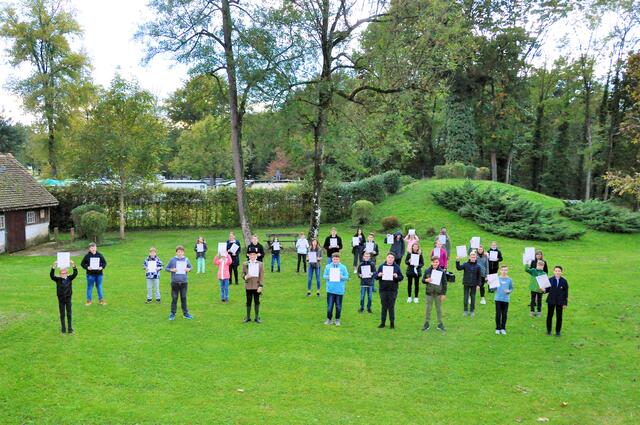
398, 245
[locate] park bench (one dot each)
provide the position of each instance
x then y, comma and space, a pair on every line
284, 238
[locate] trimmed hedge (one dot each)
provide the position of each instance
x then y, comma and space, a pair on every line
78, 212
361, 212
603, 216
94, 224
498, 211
458, 170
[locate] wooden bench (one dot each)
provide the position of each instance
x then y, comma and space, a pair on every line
283, 238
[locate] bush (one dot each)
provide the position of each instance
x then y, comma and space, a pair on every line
78, 212
390, 223
431, 232
482, 173
441, 171
470, 172
504, 213
361, 212
94, 224
603, 216
406, 181
457, 170
391, 181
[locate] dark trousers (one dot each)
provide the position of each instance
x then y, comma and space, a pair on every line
179, 288
502, 308
469, 291
415, 282
302, 258
536, 299
233, 272
558, 310
334, 299
482, 288
253, 296
388, 301
65, 305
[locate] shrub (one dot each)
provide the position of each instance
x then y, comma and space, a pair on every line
390, 223
470, 172
603, 216
391, 180
94, 224
431, 232
441, 172
482, 173
505, 213
406, 181
78, 212
361, 212
457, 170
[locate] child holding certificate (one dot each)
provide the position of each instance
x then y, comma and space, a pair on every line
444, 239
389, 274
557, 299
357, 245
179, 266
314, 256
534, 262
483, 262
411, 238
253, 275
152, 267
536, 292
366, 269
494, 257
503, 293
274, 246
436, 282
201, 251
64, 293
397, 248
441, 253
332, 243
336, 276
94, 263
233, 248
256, 247
223, 261
414, 262
471, 279
302, 247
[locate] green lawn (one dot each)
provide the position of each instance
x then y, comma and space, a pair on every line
128, 364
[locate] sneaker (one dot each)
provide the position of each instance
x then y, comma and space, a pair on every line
246, 320
473, 314
355, 271
498, 332
361, 310
465, 314
409, 300
532, 314
88, 303
258, 320
102, 302
187, 316
415, 300
483, 301
337, 322
392, 326
548, 333
539, 314
441, 328
172, 316
503, 332
63, 330
557, 333
327, 322
369, 311
148, 301
318, 294
71, 331
308, 294
381, 325
158, 301
426, 326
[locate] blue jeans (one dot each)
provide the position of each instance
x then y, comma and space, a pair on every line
94, 279
310, 273
275, 258
224, 289
366, 290
334, 299
201, 261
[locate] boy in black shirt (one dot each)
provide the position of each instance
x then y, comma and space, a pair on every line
64, 292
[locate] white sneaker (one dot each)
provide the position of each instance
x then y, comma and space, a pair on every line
503, 332
415, 300
327, 322
483, 301
409, 299
337, 322
498, 332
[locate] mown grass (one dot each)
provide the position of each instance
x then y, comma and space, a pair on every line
128, 364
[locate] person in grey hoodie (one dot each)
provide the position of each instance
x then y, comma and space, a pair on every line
179, 282
483, 262
398, 247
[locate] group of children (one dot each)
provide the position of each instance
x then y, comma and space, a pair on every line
476, 270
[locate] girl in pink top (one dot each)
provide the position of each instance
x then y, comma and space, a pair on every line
410, 240
442, 256
223, 263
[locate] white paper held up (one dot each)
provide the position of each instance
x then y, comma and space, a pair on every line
181, 267
414, 260
253, 270
200, 247
475, 242
334, 274
333, 242
365, 271
543, 281
436, 277
389, 239
461, 251
94, 263
493, 255
152, 266
313, 257
387, 273
64, 260
493, 280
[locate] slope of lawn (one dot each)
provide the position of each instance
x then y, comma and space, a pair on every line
128, 364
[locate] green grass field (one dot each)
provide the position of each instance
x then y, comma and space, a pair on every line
128, 364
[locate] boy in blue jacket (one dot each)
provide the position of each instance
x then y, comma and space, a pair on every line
366, 283
503, 293
389, 274
336, 283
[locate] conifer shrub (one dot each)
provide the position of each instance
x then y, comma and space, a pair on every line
602, 216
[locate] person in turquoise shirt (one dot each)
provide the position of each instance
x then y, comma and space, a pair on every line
335, 288
503, 293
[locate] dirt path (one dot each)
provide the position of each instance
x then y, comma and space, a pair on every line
49, 249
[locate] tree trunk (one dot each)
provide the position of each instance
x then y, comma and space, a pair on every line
616, 113
236, 123
507, 176
51, 148
122, 212
586, 129
494, 166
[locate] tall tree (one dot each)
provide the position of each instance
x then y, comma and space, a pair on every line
40, 33
13, 138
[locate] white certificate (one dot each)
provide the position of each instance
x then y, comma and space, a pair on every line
475, 242
369, 247
390, 239
543, 281
333, 242
436, 252
200, 247
152, 266
412, 232
334, 274
234, 248
493, 255
436, 277
253, 270
94, 263
493, 280
525, 260
387, 273
302, 248
365, 271
355, 241
530, 253
276, 246
64, 260
461, 251
442, 239
181, 267
222, 249
414, 260
313, 257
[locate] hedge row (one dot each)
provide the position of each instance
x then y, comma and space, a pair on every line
458, 170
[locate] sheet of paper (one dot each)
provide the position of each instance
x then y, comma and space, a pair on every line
94, 263
64, 260
387, 273
313, 257
436, 252
442, 239
493, 281
493, 255
181, 267
412, 232
390, 239
414, 260
543, 281
369, 246
366, 272
475, 242
253, 270
525, 260
276, 246
461, 251
234, 248
436, 277
530, 253
333, 242
152, 266
200, 247
334, 274
355, 241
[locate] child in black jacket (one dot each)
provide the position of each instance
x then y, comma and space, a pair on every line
557, 299
64, 292
389, 290
471, 280
414, 271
